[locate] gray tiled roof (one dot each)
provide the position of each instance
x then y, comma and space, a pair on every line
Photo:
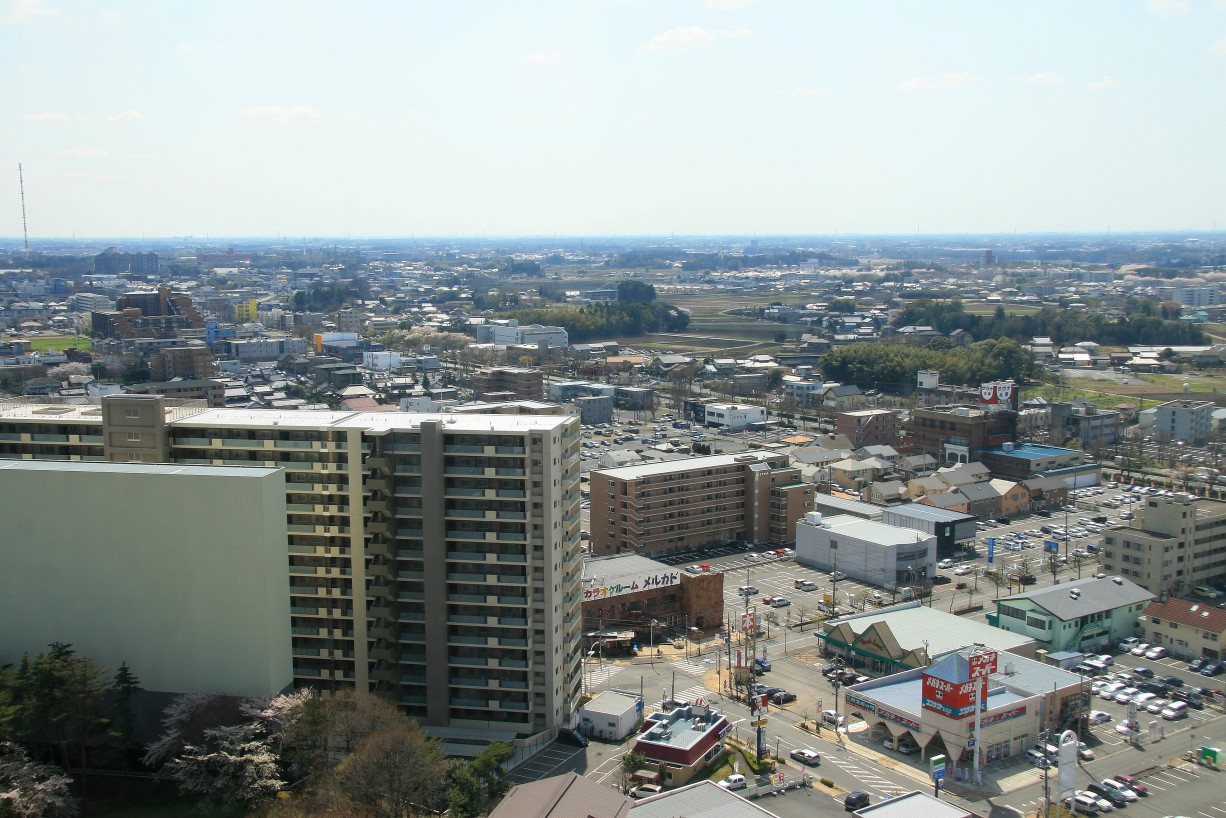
1096, 595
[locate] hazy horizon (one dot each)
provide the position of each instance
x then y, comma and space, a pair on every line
612, 118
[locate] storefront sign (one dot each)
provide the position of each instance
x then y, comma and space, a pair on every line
890, 715
1004, 715
631, 585
946, 710
867, 642
855, 701
982, 664
956, 698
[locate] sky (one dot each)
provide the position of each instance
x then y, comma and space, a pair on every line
611, 117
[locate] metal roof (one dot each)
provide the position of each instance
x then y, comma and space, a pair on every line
913, 624
705, 799
1095, 596
925, 512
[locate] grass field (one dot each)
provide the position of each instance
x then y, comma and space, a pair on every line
980, 308
57, 343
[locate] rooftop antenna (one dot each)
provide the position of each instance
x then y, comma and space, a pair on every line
25, 230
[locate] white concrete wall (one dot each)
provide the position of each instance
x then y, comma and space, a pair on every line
181, 571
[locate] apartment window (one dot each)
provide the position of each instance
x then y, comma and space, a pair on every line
132, 412
834, 545
134, 437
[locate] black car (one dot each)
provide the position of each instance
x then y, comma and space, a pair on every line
1043, 512
1172, 681
1002, 520
782, 697
1143, 673
1211, 669
1152, 687
1111, 795
1196, 664
761, 665
572, 737
830, 670
940, 579
856, 800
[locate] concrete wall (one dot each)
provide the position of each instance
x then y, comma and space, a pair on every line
181, 571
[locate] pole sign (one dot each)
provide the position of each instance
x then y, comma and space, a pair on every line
983, 664
1051, 545
749, 621
936, 767
991, 550
758, 702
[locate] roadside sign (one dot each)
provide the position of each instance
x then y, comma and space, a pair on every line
991, 550
936, 766
1051, 545
970, 744
983, 664
758, 723
1209, 754
749, 621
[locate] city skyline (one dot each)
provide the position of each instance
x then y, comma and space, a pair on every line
618, 118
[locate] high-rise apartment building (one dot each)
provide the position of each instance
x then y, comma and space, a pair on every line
433, 558
678, 505
1184, 420
1172, 545
112, 261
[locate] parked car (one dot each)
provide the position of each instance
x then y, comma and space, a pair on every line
1157, 652
1128, 644
1111, 794
1037, 759
1112, 784
1085, 802
1211, 669
1172, 681
856, 800
1100, 717
572, 737
1126, 695
1196, 664
646, 790
837, 575
1139, 649
734, 782
782, 697
1132, 783
831, 717
806, 756
1143, 673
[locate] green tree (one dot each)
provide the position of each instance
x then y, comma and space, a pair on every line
393, 771
631, 763
463, 791
631, 292
123, 724
488, 766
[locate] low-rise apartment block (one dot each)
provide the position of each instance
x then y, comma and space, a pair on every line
1189, 421
679, 505
1171, 546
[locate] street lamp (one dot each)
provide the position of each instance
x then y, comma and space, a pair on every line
651, 631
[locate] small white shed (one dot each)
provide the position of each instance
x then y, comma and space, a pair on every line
611, 716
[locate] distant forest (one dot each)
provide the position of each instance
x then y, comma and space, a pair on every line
1141, 324
662, 258
604, 321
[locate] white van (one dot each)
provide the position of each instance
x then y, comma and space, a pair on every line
1175, 710
1085, 804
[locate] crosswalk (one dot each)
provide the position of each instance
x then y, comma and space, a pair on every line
599, 674
692, 667
872, 783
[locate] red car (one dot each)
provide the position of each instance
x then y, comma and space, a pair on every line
1131, 782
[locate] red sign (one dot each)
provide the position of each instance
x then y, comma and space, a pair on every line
951, 698
1003, 715
758, 702
983, 664
749, 621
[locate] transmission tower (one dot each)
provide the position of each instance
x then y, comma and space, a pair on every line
25, 230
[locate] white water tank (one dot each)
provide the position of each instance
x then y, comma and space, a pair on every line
928, 379
813, 517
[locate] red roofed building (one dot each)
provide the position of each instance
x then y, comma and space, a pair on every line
682, 741
1188, 629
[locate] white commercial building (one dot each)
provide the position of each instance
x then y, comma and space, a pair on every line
179, 571
733, 416
611, 716
381, 361
865, 550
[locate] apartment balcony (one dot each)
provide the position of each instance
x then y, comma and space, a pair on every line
383, 630
380, 506
465, 491
385, 652
379, 548
378, 463
388, 675
380, 570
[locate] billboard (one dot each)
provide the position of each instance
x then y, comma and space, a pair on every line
953, 699
1004, 394
983, 664
991, 550
599, 588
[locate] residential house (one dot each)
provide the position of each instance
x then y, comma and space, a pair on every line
1079, 616
1187, 628
1014, 497
885, 493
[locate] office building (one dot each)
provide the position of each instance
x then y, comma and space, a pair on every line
958, 434
1186, 421
954, 530
1085, 424
874, 553
1022, 461
508, 383
1172, 545
678, 505
433, 558
173, 362
868, 427
134, 563
1192, 296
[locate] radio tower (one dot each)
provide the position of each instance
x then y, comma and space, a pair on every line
25, 230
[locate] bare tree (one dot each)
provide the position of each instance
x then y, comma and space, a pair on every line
393, 771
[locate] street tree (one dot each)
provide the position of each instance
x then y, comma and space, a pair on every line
631, 763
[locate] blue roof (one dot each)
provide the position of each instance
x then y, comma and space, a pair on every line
1032, 451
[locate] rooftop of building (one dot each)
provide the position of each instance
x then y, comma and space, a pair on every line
1196, 614
162, 470
713, 461
611, 703
615, 567
703, 799
925, 512
868, 530
1077, 598
683, 726
1030, 451
1185, 404
563, 796
372, 421
913, 804
913, 624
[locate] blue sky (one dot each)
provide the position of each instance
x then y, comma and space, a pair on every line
599, 117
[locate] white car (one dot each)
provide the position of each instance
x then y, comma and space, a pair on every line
1155, 706
945, 564
1107, 659
1126, 695
751, 557
1100, 717
1157, 652
806, 756
1103, 804
962, 570
1112, 784
1108, 692
734, 782
837, 575
1139, 650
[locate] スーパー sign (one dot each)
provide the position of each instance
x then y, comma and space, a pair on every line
631, 585
890, 715
1004, 715
982, 664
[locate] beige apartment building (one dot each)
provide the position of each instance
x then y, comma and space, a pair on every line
433, 558
679, 505
1172, 545
508, 383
